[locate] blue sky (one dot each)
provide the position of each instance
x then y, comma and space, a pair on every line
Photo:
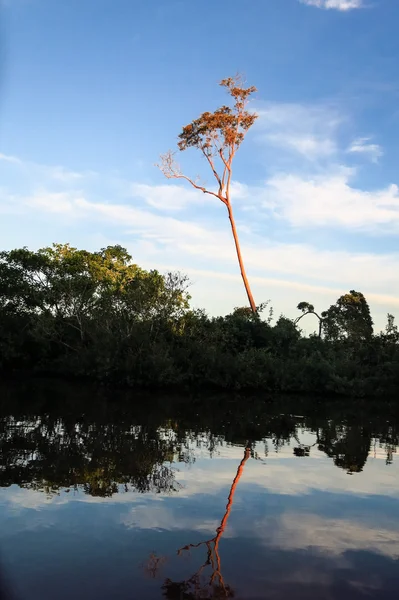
93, 91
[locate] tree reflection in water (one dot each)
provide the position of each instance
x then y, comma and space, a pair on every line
101, 448
110, 449
197, 586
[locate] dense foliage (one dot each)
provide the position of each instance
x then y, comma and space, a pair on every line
97, 315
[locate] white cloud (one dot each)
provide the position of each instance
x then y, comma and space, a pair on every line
22, 498
179, 241
144, 222
65, 203
333, 536
329, 200
64, 175
169, 197
50, 172
342, 5
307, 130
361, 146
10, 159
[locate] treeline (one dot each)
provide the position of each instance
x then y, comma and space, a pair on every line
98, 315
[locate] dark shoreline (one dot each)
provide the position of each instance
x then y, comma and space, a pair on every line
202, 399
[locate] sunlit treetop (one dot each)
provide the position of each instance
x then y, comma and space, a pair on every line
225, 128
217, 135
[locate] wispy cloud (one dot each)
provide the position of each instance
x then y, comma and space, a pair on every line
168, 197
362, 146
342, 5
64, 203
64, 175
54, 172
307, 130
181, 242
10, 159
334, 536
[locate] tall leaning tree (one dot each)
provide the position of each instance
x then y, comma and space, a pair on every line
218, 135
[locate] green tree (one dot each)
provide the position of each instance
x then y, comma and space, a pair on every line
94, 306
349, 318
218, 135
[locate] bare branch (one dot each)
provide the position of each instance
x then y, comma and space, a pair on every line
309, 312
226, 169
229, 177
171, 170
225, 162
212, 165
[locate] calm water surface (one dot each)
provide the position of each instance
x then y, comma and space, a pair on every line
149, 498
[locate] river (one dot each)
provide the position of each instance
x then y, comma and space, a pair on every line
109, 495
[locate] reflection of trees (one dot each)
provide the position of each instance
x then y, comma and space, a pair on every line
102, 448
388, 438
349, 446
46, 455
194, 586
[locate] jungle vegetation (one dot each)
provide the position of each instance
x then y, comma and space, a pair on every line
97, 315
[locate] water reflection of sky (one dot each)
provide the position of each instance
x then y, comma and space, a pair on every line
299, 528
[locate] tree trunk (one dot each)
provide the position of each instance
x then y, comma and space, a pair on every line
240, 261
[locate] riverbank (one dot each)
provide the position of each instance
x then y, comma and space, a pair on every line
98, 317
